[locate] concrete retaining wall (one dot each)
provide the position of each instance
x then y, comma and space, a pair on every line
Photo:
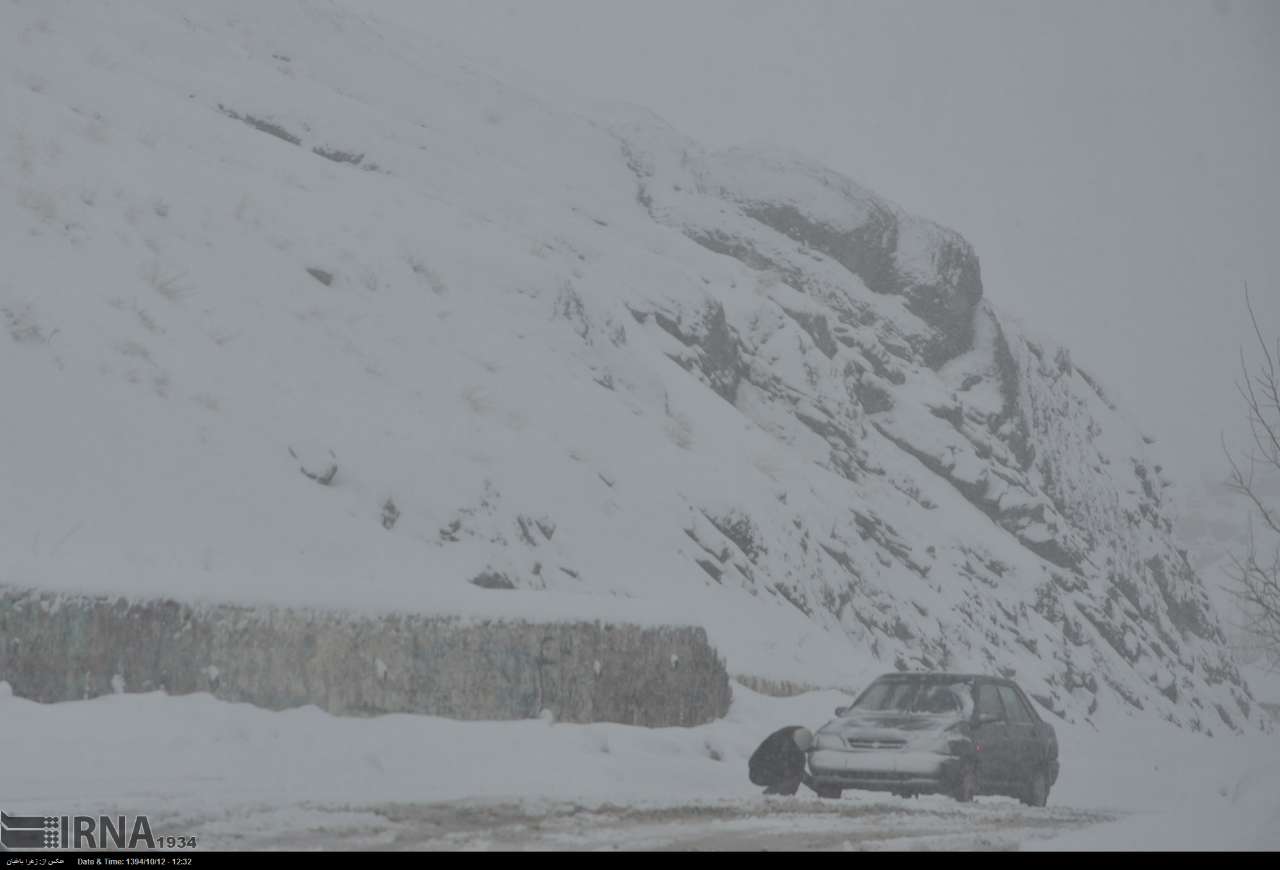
56, 647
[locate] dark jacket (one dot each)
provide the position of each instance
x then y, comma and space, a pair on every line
777, 758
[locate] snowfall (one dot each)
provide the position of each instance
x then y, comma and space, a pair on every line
158, 261
237, 777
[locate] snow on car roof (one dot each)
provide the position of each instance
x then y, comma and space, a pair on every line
941, 676
928, 675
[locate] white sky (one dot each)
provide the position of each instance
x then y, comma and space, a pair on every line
1113, 161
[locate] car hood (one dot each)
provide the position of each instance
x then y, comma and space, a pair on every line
909, 729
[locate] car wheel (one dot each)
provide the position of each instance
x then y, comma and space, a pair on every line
1036, 792
829, 791
967, 786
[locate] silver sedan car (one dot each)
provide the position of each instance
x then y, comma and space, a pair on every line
937, 733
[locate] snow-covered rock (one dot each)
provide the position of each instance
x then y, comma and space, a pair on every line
247, 245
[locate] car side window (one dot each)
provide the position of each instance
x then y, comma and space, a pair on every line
1018, 711
988, 702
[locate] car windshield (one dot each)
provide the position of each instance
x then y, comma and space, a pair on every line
916, 696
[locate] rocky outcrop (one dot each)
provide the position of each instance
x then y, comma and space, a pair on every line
901, 355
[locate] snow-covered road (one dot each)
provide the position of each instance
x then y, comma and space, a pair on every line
238, 777
766, 824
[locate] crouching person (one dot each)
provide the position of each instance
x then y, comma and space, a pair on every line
779, 762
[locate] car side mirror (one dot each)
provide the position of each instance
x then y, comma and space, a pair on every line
840, 711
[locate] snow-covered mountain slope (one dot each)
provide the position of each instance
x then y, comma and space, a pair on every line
299, 308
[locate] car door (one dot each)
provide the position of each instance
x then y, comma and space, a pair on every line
1021, 730
991, 736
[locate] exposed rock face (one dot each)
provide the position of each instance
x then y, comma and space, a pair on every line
933, 270
921, 366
